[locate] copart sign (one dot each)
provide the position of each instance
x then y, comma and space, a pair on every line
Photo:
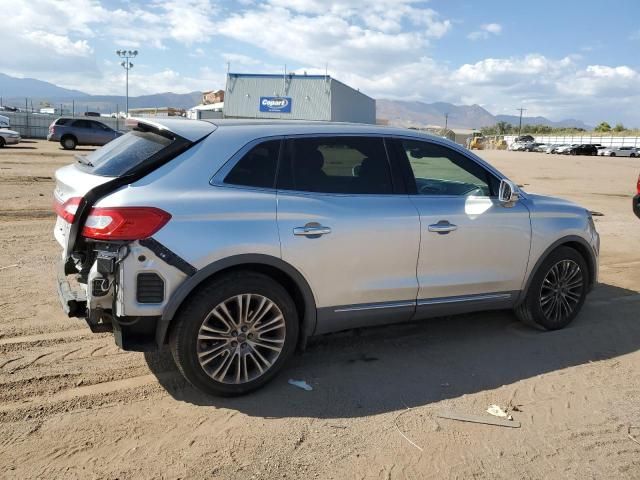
275, 104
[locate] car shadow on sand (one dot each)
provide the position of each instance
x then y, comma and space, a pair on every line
371, 371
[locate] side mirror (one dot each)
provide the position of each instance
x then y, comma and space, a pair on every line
508, 192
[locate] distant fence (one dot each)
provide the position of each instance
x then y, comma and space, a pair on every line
36, 125
606, 141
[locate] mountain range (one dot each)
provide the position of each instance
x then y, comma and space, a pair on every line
13, 92
420, 114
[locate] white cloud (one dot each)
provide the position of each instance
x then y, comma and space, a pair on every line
485, 31
60, 44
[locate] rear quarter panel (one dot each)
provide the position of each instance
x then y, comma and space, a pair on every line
207, 222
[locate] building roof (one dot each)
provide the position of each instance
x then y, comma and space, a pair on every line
297, 76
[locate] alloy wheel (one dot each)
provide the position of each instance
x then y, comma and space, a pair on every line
561, 290
241, 338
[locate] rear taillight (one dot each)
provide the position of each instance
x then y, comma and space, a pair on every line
638, 185
124, 223
67, 210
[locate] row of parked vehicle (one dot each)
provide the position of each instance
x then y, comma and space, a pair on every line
575, 149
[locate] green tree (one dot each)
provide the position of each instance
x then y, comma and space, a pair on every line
619, 128
603, 127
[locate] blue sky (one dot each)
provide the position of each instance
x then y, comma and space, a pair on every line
560, 59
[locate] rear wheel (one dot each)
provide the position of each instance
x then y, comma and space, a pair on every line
557, 291
612, 154
68, 143
235, 334
2, 142
632, 155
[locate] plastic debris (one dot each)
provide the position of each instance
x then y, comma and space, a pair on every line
497, 411
300, 384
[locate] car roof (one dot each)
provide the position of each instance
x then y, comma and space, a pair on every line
192, 129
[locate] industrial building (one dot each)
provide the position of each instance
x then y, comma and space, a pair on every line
296, 97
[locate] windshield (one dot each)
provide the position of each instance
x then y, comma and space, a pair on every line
123, 153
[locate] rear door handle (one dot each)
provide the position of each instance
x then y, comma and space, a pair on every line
442, 227
312, 230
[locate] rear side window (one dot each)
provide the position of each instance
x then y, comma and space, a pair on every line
124, 153
258, 167
62, 121
352, 165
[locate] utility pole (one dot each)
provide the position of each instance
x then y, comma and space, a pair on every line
446, 121
127, 65
520, 124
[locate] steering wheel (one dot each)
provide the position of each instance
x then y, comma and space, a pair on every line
429, 187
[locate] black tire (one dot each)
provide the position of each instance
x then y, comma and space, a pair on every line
632, 155
68, 142
612, 154
2, 142
184, 341
531, 310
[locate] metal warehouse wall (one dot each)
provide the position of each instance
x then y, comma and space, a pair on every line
311, 99
349, 105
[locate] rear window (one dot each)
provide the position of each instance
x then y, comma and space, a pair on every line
124, 153
62, 121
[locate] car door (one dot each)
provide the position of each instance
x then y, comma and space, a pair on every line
349, 229
83, 132
100, 133
473, 249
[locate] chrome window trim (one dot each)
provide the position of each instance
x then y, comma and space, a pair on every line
217, 179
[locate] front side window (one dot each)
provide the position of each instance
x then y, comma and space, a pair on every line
438, 170
257, 168
348, 165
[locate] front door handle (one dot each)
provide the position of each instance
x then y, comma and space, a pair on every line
442, 227
312, 230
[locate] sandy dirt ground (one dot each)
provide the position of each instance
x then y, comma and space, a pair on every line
72, 405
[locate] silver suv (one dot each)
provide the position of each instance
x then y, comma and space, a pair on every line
234, 242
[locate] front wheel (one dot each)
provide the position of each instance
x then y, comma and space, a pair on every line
235, 334
557, 291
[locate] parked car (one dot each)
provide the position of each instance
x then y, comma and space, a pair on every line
524, 139
9, 137
636, 199
584, 149
619, 152
518, 146
236, 241
71, 132
565, 148
541, 147
5, 122
553, 148
531, 146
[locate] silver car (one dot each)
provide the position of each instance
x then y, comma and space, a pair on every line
235, 241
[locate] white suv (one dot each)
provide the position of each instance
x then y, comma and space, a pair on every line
235, 241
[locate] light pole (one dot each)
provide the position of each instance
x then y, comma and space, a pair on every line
446, 121
127, 65
520, 123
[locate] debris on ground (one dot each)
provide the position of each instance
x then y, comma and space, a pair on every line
300, 384
497, 411
463, 417
631, 437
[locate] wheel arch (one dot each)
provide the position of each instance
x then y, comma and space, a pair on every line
573, 241
282, 272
